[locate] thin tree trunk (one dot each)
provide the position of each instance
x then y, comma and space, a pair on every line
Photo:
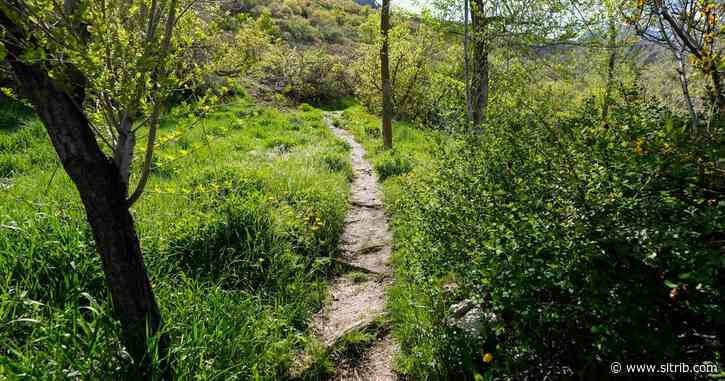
611, 63
684, 82
103, 193
718, 90
479, 80
466, 62
385, 74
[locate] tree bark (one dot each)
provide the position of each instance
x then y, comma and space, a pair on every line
718, 92
479, 80
611, 63
466, 62
103, 193
385, 74
685, 84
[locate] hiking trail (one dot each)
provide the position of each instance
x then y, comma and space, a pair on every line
358, 295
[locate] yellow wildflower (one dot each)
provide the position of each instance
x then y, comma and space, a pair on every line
639, 149
487, 358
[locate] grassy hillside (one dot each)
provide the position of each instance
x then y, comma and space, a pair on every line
575, 220
307, 22
242, 216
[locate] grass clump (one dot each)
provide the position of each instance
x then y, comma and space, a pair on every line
358, 277
338, 162
391, 164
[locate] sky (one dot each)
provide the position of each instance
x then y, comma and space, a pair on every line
413, 5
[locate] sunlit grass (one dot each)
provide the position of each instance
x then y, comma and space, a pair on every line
241, 209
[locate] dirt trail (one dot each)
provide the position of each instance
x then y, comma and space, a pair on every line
358, 300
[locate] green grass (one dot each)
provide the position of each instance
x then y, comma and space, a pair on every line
240, 214
411, 158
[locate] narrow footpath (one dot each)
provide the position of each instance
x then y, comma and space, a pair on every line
358, 295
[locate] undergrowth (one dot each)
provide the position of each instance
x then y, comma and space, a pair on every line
581, 244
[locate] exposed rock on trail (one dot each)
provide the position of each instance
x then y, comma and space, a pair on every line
356, 303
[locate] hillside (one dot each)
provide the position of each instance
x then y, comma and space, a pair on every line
320, 190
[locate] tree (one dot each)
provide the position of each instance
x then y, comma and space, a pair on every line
511, 24
96, 73
385, 76
611, 60
477, 93
416, 58
687, 27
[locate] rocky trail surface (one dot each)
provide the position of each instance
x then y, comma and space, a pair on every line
358, 295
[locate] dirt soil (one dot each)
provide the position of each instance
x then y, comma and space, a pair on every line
358, 300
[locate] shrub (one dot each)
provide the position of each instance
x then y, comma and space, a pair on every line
579, 243
310, 75
299, 29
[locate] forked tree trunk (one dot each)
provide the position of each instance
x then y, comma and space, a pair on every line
103, 194
385, 76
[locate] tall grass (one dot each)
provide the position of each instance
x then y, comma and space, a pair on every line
243, 208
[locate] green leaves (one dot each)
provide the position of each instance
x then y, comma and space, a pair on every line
576, 232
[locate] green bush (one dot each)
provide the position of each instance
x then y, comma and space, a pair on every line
311, 75
299, 29
583, 245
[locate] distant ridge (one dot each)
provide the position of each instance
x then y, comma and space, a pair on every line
370, 3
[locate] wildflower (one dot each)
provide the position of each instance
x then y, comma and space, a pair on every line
638, 148
487, 358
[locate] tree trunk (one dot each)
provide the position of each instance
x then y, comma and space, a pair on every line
611, 63
385, 74
479, 80
684, 83
467, 63
718, 89
103, 193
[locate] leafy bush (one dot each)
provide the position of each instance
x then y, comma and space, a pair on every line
425, 76
299, 29
311, 75
582, 245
